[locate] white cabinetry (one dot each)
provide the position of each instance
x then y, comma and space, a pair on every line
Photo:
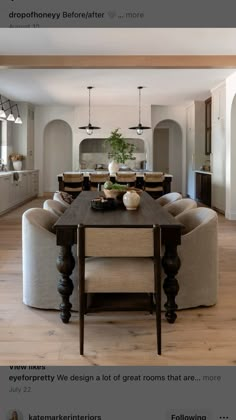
5, 182
33, 183
14, 193
16, 190
218, 148
195, 142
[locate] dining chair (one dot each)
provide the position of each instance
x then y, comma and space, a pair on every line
180, 206
169, 198
126, 178
106, 266
97, 180
153, 183
54, 207
39, 255
73, 182
64, 198
198, 276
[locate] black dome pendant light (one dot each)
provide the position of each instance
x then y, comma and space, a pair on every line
89, 128
139, 128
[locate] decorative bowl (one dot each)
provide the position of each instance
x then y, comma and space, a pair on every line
115, 194
101, 203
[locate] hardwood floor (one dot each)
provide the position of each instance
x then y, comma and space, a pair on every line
203, 336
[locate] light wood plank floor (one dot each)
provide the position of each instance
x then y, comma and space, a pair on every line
205, 336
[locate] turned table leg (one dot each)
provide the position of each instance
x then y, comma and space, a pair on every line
65, 265
171, 263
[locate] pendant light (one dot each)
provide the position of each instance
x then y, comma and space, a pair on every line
89, 128
139, 128
10, 116
2, 112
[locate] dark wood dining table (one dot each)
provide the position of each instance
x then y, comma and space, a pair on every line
149, 213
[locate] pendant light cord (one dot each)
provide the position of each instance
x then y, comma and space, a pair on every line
89, 88
139, 105
139, 114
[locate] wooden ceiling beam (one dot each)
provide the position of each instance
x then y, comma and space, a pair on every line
117, 61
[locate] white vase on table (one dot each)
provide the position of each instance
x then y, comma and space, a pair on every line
113, 167
131, 200
17, 165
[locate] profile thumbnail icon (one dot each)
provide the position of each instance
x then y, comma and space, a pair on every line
14, 415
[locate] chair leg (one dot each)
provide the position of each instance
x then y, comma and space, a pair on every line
158, 322
81, 324
85, 303
151, 303
82, 298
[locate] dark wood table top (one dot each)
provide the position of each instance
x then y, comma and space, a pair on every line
149, 213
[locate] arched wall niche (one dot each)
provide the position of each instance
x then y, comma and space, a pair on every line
168, 150
57, 152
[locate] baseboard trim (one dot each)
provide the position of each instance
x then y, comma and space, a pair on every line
218, 210
230, 216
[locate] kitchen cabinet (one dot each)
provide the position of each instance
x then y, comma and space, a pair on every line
218, 148
195, 138
5, 182
203, 188
14, 194
208, 122
33, 184
18, 188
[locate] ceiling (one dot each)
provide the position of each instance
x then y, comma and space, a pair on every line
114, 87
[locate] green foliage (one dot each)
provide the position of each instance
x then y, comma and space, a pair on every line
119, 149
110, 186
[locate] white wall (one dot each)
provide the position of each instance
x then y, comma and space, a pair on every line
177, 114
230, 131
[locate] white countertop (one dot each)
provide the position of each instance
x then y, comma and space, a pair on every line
7, 173
203, 172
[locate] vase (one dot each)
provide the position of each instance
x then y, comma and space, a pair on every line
131, 200
17, 165
113, 167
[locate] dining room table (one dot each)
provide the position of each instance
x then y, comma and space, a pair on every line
148, 214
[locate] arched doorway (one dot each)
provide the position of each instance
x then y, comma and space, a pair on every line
57, 152
167, 151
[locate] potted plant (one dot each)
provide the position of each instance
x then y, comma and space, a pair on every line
16, 159
119, 150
